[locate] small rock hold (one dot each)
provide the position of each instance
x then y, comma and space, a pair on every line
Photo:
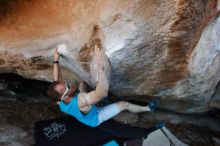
126, 117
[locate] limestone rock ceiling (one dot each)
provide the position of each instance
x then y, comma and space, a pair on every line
160, 48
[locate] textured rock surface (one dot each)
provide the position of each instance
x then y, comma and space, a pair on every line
156, 48
126, 118
215, 101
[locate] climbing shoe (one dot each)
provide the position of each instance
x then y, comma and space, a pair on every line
153, 104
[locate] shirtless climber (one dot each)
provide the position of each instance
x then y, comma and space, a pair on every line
81, 105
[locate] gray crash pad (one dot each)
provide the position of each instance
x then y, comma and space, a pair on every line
158, 138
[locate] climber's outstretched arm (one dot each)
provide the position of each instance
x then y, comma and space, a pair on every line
101, 90
102, 86
56, 68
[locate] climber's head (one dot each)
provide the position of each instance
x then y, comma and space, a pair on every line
61, 90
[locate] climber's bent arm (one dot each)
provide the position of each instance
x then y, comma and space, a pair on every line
101, 91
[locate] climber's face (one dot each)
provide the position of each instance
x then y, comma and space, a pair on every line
66, 92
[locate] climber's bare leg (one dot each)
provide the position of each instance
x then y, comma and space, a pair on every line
123, 105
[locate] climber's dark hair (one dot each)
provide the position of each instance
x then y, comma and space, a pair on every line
52, 93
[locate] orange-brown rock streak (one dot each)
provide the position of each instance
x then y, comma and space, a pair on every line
192, 17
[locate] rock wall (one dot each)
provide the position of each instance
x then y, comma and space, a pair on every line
156, 47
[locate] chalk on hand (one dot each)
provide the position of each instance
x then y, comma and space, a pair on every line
62, 49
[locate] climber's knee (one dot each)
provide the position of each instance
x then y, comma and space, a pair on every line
123, 105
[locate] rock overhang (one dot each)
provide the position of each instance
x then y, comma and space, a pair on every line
150, 44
